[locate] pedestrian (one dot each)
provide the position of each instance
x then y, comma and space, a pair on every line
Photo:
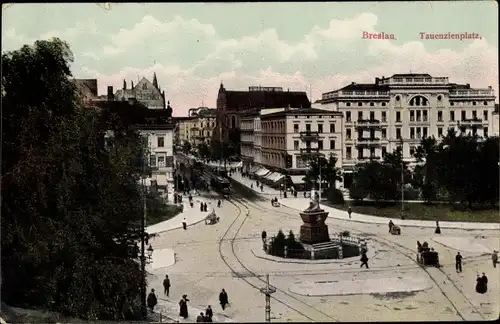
223, 299
201, 206
391, 225
494, 258
218, 203
209, 313
262, 188
458, 262
166, 285
364, 260
438, 229
264, 236
200, 318
184, 224
251, 186
183, 309
485, 283
205, 206
152, 300
349, 211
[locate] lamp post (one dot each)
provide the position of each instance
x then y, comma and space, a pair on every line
319, 166
402, 182
267, 291
143, 234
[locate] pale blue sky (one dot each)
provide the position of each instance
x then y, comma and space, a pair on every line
192, 47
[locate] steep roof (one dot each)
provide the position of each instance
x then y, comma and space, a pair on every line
412, 75
240, 100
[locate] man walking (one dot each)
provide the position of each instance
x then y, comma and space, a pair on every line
458, 262
166, 285
494, 258
223, 299
152, 301
349, 211
364, 259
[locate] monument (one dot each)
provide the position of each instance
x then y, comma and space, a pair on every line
314, 230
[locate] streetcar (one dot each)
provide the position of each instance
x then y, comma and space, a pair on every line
221, 185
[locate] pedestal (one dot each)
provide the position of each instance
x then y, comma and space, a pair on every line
314, 230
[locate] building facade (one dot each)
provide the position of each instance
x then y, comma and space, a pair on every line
400, 110
196, 128
231, 103
146, 92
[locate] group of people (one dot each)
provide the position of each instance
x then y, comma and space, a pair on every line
152, 301
481, 284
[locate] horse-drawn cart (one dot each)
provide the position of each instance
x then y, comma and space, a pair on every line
428, 258
395, 230
211, 219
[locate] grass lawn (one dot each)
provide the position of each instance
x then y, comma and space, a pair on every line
167, 212
419, 211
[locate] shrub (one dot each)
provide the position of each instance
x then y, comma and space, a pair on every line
335, 196
277, 247
411, 194
345, 233
356, 192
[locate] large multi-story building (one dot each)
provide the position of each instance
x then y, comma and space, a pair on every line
146, 92
231, 103
289, 138
402, 109
196, 128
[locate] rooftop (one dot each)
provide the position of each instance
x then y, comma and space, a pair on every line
302, 112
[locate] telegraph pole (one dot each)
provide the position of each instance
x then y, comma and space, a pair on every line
402, 182
319, 165
267, 291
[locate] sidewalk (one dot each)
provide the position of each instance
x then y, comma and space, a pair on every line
170, 310
302, 203
192, 215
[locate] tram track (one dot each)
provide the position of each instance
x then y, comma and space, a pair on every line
254, 280
451, 292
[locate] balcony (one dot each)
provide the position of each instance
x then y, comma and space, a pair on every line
473, 122
367, 142
310, 151
368, 123
365, 94
473, 93
309, 136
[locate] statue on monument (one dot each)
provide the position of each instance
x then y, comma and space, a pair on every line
314, 203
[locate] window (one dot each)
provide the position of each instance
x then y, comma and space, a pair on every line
463, 114
440, 131
332, 128
308, 127
295, 128
451, 129
485, 103
485, 131
320, 144
332, 144
161, 141
485, 115
474, 114
418, 115
440, 116
384, 151
439, 98
383, 104
452, 116
384, 117
360, 115
320, 128
424, 134
152, 160
372, 152
412, 115
308, 144
372, 104
360, 104
473, 103
348, 152
398, 98
398, 116
296, 145
348, 133
425, 115
348, 104
419, 132
412, 150
398, 133
384, 133
412, 132
372, 115
161, 161
348, 116
360, 153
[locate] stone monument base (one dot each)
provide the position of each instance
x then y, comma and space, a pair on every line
314, 230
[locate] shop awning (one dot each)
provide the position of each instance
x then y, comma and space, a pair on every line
270, 176
262, 172
278, 177
254, 169
297, 179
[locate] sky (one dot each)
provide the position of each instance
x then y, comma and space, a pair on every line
312, 47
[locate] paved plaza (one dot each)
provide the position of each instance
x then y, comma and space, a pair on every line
395, 288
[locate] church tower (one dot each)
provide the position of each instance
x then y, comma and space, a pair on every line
155, 81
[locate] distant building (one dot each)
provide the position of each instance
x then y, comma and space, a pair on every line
146, 92
87, 89
198, 127
230, 103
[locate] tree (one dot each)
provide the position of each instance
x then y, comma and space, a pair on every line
187, 147
70, 208
330, 174
203, 150
425, 176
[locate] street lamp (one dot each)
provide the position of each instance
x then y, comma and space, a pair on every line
402, 181
150, 252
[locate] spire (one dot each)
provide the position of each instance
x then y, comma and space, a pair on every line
132, 84
155, 81
221, 85
124, 84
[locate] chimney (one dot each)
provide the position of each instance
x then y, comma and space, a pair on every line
353, 83
124, 85
288, 89
110, 93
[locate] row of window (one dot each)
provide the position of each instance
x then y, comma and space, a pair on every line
416, 101
161, 161
308, 128
416, 115
415, 132
296, 145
